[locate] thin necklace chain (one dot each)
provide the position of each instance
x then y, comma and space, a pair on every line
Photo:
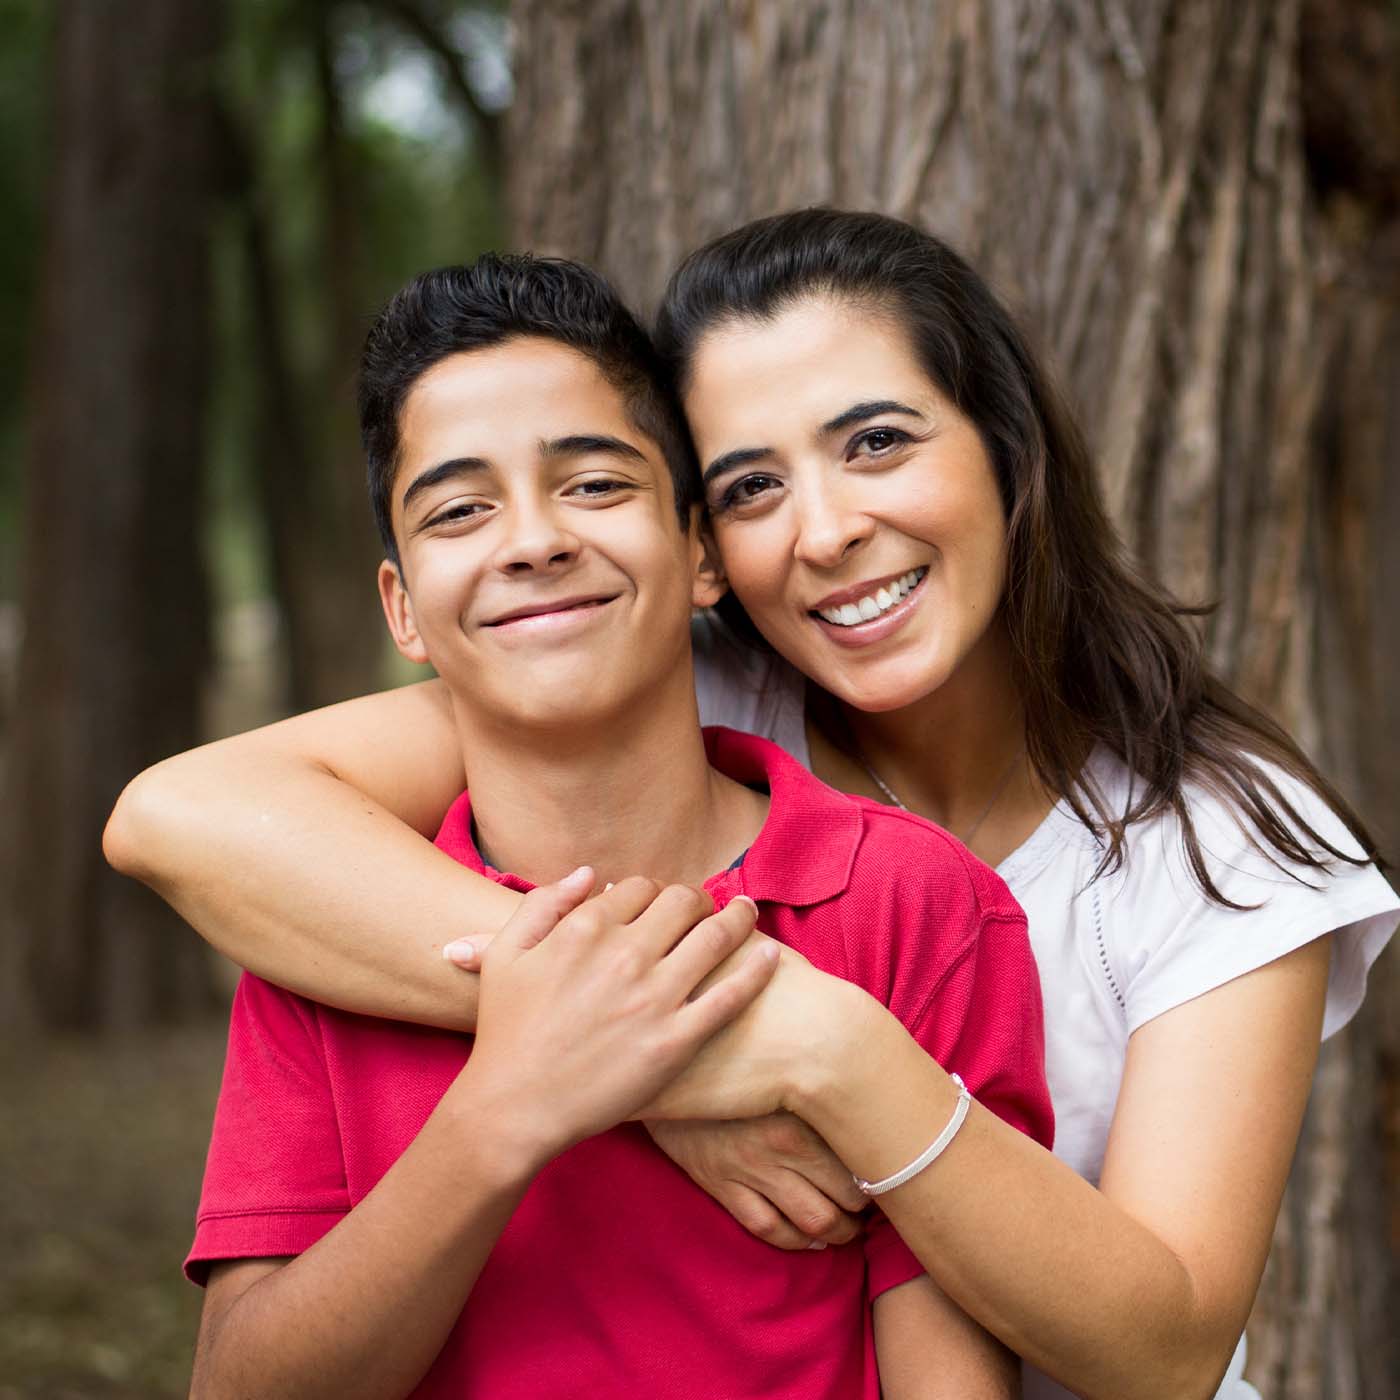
976, 826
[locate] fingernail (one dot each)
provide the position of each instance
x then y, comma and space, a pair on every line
817, 1244
744, 899
460, 951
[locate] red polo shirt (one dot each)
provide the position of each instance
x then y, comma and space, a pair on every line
617, 1276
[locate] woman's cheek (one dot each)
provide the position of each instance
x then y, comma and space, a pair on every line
756, 562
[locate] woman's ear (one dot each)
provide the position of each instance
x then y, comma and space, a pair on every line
398, 613
708, 583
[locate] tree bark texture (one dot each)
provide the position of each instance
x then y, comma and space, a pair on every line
1133, 176
113, 587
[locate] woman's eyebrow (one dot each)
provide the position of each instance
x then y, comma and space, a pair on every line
858, 413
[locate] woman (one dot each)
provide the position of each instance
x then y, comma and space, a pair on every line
909, 520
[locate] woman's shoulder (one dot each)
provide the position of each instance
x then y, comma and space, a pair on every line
1166, 940
745, 688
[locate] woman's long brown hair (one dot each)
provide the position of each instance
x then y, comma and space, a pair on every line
1102, 655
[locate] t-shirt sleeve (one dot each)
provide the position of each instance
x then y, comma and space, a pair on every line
1177, 944
963, 979
274, 1182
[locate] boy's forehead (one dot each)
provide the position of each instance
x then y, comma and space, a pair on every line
497, 401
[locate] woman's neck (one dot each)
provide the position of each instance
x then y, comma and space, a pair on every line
956, 756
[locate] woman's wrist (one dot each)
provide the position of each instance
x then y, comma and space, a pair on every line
847, 1031
872, 1092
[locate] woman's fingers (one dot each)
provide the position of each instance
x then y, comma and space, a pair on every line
670, 917
709, 943
729, 995
548, 906
540, 911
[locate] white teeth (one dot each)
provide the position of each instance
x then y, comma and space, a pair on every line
870, 607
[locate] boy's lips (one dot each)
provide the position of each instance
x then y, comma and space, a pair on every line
550, 613
545, 608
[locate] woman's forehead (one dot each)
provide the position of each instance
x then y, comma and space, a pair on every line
803, 363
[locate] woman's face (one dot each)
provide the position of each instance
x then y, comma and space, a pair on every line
855, 508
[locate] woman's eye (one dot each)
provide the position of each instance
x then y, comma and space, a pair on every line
746, 489
874, 442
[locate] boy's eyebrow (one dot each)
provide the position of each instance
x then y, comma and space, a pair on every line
582, 444
444, 471
857, 413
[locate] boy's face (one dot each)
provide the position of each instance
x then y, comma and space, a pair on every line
542, 568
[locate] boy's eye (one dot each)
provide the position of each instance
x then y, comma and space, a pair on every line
598, 486
463, 510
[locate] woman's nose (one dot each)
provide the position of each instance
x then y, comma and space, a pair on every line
828, 527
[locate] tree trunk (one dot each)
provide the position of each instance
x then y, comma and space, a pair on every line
113, 593
1132, 175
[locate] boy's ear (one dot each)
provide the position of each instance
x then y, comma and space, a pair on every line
398, 613
708, 583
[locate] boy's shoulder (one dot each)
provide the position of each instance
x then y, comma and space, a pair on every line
907, 852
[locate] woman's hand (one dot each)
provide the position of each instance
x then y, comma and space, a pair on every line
590, 1007
802, 1027
774, 1175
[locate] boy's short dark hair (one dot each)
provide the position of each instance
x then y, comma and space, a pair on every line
500, 297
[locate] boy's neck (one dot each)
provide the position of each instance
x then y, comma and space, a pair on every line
633, 794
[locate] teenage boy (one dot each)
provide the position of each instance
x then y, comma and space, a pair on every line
390, 1210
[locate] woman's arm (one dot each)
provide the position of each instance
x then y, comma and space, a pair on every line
1142, 1287
299, 851
1137, 1290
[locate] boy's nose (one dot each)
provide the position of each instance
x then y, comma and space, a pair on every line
537, 541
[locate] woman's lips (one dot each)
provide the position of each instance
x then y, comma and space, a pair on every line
862, 634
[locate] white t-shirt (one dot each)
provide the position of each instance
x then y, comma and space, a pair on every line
1117, 951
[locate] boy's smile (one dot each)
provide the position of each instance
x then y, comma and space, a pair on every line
542, 568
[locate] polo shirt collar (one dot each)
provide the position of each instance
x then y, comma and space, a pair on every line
803, 855
807, 847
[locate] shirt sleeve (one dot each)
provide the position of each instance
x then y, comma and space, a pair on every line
1178, 944
274, 1182
963, 979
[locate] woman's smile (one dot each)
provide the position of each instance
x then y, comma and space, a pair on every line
870, 612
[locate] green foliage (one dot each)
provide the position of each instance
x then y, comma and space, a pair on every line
23, 59
416, 191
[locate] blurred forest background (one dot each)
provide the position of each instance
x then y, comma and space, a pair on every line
1195, 206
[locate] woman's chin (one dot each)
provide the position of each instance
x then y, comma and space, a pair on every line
876, 695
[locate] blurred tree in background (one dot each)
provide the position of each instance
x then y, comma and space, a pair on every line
231, 190
1197, 207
